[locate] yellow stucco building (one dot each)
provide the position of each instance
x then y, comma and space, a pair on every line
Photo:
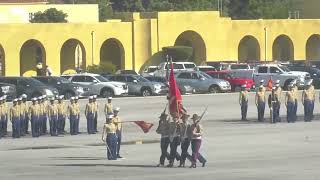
130, 41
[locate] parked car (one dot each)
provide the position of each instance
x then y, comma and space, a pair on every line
138, 85
314, 73
149, 71
8, 90
220, 66
29, 86
206, 68
202, 82
99, 85
186, 89
64, 86
279, 72
235, 82
127, 72
177, 66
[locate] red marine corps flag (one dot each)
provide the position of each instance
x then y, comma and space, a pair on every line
270, 84
175, 99
144, 125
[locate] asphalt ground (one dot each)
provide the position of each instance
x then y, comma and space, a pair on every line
234, 149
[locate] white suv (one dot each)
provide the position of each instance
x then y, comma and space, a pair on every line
177, 66
99, 85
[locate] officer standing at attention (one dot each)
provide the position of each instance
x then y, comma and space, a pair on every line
108, 108
273, 103
279, 96
22, 118
25, 108
243, 101
308, 97
110, 138
196, 131
53, 117
34, 116
96, 113
73, 115
77, 105
174, 136
163, 130
117, 121
62, 114
260, 100
90, 115
5, 115
15, 119
290, 104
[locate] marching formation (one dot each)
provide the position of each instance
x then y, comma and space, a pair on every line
275, 99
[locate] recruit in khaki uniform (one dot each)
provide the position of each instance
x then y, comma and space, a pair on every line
296, 95
260, 100
95, 125
62, 114
273, 103
117, 121
163, 130
53, 117
90, 113
77, 105
279, 96
196, 132
290, 104
1, 118
73, 113
243, 101
41, 115
25, 108
110, 138
5, 115
34, 116
15, 119
22, 117
108, 108
308, 97
44, 104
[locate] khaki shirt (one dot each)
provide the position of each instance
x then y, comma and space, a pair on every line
260, 97
290, 96
3, 110
15, 111
110, 128
108, 108
24, 108
174, 129
96, 106
243, 96
34, 110
117, 121
73, 109
185, 130
296, 92
90, 108
308, 94
53, 110
62, 109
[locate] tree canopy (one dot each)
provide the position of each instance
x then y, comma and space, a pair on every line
236, 9
51, 15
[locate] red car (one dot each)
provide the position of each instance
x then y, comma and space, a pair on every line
236, 82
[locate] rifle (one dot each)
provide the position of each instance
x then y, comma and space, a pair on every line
205, 110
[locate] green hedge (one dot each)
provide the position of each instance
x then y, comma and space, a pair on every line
103, 67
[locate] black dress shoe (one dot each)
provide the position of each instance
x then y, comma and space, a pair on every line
204, 164
118, 156
193, 166
170, 165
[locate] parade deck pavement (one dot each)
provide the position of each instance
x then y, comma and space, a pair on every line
234, 149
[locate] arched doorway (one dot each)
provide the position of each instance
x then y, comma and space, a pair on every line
112, 51
313, 47
32, 52
72, 56
2, 61
283, 49
249, 49
194, 40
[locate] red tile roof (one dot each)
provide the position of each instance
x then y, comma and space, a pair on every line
22, 1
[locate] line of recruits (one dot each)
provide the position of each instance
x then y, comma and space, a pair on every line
40, 112
179, 131
274, 101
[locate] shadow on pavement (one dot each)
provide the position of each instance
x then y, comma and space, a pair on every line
77, 158
106, 165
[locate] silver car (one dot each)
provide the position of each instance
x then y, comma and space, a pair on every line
202, 83
99, 85
138, 85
